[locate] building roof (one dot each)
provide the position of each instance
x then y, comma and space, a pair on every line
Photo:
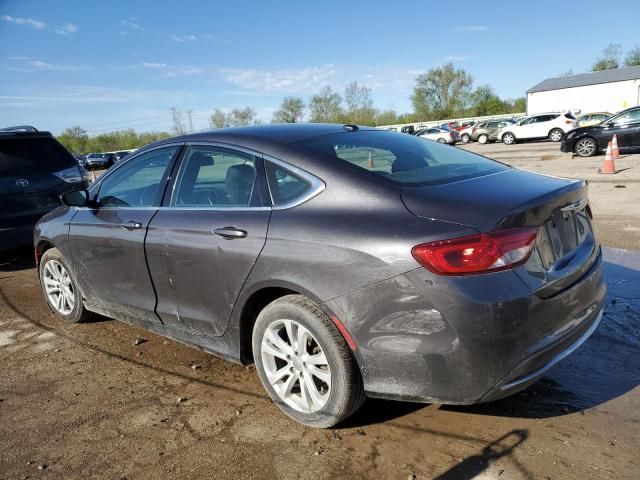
592, 78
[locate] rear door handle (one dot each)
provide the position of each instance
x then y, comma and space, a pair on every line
132, 225
230, 233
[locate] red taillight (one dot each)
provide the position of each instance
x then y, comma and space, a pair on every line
487, 252
568, 122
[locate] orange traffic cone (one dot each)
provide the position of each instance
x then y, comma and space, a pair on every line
608, 166
614, 148
371, 164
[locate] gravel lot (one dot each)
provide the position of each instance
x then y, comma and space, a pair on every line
84, 401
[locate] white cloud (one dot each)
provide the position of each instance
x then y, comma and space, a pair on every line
28, 64
130, 23
183, 38
207, 36
457, 58
153, 65
36, 24
67, 29
311, 79
172, 70
472, 28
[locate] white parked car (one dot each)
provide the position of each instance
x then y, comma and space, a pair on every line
439, 135
553, 126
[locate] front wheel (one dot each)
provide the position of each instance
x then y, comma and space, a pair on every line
442, 140
586, 147
465, 138
483, 139
556, 135
305, 364
508, 138
60, 288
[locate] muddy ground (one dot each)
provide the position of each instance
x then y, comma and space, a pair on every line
83, 401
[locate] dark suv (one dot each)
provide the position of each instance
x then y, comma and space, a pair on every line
34, 170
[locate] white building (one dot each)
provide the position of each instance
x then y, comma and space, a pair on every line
606, 91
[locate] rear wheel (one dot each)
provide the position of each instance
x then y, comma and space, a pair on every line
305, 364
586, 147
556, 135
508, 138
60, 288
483, 139
442, 140
465, 138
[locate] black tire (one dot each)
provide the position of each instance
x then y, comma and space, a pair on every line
586, 147
466, 138
483, 138
441, 140
78, 313
508, 138
556, 135
347, 392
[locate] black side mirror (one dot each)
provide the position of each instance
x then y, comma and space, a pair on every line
76, 198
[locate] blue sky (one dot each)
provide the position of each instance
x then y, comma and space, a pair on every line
114, 64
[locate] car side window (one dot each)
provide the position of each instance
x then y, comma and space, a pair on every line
285, 186
138, 182
529, 121
629, 117
215, 177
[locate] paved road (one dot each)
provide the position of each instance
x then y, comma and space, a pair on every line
82, 401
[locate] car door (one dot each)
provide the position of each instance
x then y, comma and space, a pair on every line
626, 127
205, 239
107, 239
526, 129
542, 126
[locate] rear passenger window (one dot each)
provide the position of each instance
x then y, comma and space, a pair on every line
215, 177
285, 186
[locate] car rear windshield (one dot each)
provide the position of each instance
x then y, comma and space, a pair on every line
401, 158
43, 153
569, 115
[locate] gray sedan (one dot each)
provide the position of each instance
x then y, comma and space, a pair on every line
344, 261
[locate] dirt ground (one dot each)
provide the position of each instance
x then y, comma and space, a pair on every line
83, 401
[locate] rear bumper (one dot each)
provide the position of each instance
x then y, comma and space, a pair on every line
464, 340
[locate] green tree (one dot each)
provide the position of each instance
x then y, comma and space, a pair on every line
633, 57
442, 92
359, 104
219, 119
484, 102
609, 59
386, 117
75, 139
518, 105
243, 116
291, 111
325, 107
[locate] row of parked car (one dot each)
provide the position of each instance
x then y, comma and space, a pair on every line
102, 160
584, 135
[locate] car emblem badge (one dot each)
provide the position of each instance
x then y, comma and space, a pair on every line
22, 182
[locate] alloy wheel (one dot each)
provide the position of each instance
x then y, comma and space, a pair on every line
555, 136
585, 147
508, 138
296, 366
58, 287
482, 139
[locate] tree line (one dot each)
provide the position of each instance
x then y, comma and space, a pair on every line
610, 58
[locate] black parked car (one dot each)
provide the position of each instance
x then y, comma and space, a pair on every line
34, 170
100, 160
587, 141
344, 261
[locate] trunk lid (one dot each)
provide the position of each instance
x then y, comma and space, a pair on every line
565, 246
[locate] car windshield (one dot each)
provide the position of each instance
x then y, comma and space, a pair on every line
97, 155
400, 158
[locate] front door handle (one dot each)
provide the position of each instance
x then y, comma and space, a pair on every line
230, 233
132, 225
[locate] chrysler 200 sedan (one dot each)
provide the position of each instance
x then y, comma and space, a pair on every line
344, 261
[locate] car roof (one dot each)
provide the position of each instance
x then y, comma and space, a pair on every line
282, 133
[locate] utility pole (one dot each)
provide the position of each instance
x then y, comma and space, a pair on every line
190, 121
